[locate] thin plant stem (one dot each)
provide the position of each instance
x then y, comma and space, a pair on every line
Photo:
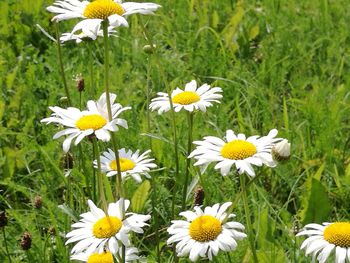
247, 215
188, 160
155, 215
119, 183
63, 76
91, 72
149, 90
5, 242
99, 175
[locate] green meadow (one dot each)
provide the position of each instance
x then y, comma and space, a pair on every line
280, 64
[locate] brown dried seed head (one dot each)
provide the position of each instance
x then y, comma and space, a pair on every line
198, 196
26, 241
38, 202
80, 83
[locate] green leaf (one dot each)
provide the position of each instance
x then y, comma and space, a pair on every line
315, 203
254, 32
140, 196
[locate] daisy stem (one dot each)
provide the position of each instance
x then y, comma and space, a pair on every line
63, 76
99, 175
149, 90
91, 71
188, 160
247, 215
6, 247
119, 185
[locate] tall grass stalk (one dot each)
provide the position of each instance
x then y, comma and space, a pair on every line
59, 55
247, 215
188, 160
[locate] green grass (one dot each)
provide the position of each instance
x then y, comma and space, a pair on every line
282, 64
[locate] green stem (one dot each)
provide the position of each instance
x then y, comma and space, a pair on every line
188, 160
155, 215
247, 215
63, 76
119, 182
99, 175
91, 72
149, 90
6, 247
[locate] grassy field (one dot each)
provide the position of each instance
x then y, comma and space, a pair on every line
281, 64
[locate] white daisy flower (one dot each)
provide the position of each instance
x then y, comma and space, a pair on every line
131, 254
131, 164
323, 239
97, 230
205, 233
95, 12
94, 120
235, 150
79, 37
190, 99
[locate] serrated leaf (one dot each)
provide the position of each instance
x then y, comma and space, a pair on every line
140, 196
316, 206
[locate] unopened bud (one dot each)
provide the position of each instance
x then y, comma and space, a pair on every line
3, 219
51, 231
38, 202
26, 241
198, 196
149, 49
281, 151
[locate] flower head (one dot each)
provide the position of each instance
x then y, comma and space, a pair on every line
93, 13
131, 164
235, 150
131, 254
93, 121
190, 99
323, 239
96, 229
204, 232
281, 150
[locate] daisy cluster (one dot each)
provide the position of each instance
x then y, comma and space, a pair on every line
201, 232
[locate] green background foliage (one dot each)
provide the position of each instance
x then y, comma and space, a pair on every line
282, 64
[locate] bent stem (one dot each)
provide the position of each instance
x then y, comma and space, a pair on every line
63, 76
247, 215
188, 160
99, 175
6, 247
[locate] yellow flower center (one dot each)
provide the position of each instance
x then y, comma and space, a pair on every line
238, 150
105, 257
93, 121
102, 9
186, 97
205, 228
338, 234
107, 227
125, 164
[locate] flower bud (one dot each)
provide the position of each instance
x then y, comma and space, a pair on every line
148, 49
3, 219
26, 241
281, 151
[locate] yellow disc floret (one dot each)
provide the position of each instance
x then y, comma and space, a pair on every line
338, 234
107, 227
93, 121
102, 9
205, 228
238, 150
104, 257
186, 98
125, 164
